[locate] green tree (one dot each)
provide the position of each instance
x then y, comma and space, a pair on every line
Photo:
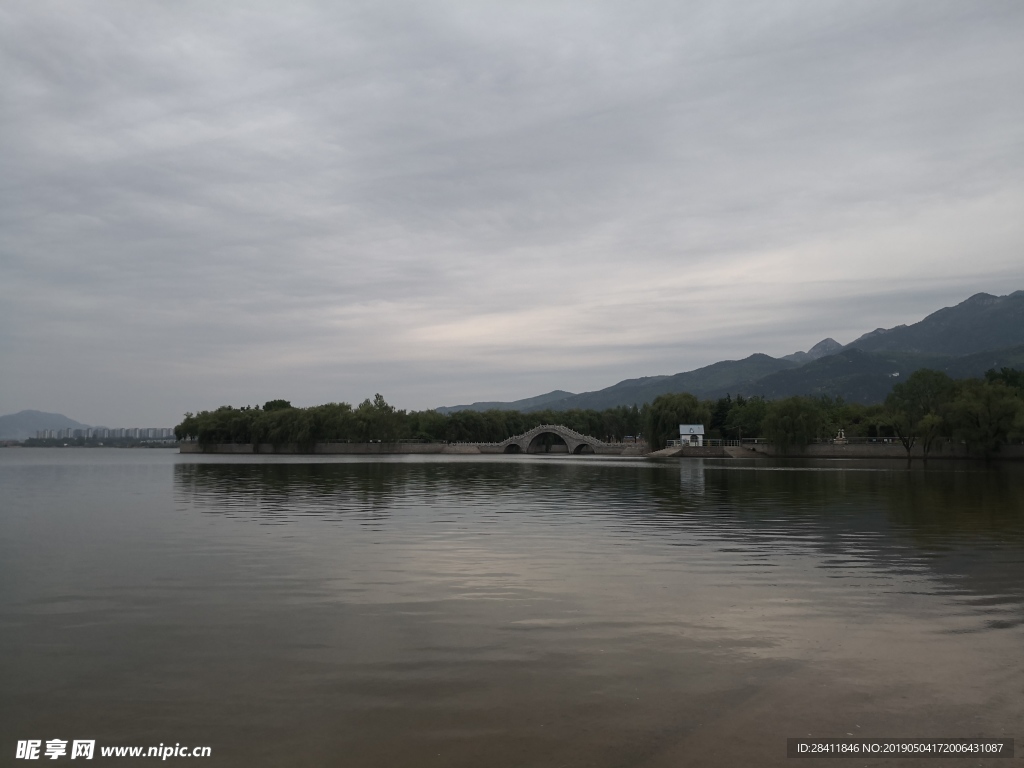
667, 412
1012, 378
793, 423
746, 417
861, 420
914, 408
379, 422
276, 405
426, 425
188, 429
720, 416
983, 414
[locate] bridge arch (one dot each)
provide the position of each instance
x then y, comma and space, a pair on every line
532, 441
548, 442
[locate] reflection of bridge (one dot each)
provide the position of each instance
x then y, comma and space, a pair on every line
538, 440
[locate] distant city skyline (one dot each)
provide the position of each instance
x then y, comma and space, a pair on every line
447, 202
140, 433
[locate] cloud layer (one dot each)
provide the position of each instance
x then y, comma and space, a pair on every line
448, 201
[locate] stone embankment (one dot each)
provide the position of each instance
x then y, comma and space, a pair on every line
693, 451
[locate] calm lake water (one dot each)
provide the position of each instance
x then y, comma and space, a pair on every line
504, 611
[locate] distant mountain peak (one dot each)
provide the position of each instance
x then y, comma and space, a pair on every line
823, 348
974, 325
982, 298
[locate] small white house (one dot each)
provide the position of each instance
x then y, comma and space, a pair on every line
691, 434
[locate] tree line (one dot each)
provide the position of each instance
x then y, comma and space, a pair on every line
279, 423
983, 413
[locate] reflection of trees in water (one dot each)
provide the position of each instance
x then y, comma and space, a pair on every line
943, 519
317, 488
286, 488
937, 504
964, 525
968, 503
927, 504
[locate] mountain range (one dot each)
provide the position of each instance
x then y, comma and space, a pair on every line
965, 340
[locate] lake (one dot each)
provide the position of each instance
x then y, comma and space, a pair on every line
505, 611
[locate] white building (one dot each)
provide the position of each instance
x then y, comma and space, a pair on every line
691, 434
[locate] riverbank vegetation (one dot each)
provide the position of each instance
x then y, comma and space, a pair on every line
983, 413
278, 423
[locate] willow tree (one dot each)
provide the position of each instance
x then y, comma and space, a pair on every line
793, 423
667, 412
914, 408
983, 414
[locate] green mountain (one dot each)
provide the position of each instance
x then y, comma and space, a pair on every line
25, 424
981, 322
852, 374
974, 366
862, 377
966, 340
712, 378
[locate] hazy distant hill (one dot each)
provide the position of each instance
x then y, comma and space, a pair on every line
25, 424
981, 322
530, 403
711, 378
980, 333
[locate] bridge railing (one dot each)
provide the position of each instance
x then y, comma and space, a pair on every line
548, 428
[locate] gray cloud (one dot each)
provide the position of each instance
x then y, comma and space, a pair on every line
451, 201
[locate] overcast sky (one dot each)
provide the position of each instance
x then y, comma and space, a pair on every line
207, 203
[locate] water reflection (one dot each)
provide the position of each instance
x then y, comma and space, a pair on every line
691, 477
532, 611
706, 578
965, 527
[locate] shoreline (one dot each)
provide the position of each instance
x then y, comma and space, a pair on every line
376, 449
759, 451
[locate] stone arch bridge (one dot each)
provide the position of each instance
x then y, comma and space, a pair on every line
533, 441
